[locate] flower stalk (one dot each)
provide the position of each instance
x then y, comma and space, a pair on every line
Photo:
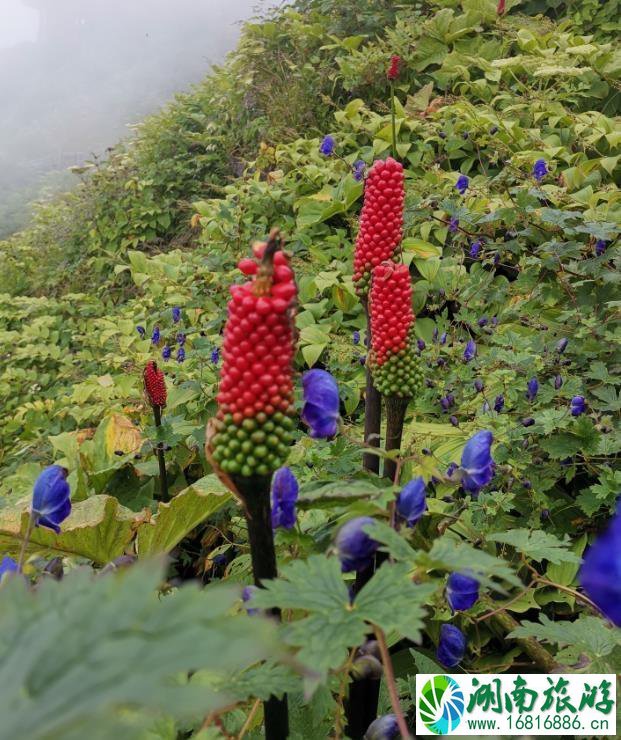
161, 461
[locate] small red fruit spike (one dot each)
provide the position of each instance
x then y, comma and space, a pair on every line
381, 221
154, 384
254, 424
394, 69
393, 362
500, 9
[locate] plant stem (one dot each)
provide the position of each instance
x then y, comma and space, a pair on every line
372, 412
395, 416
389, 677
392, 120
159, 451
529, 645
22, 553
256, 493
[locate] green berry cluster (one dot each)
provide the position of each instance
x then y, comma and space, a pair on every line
256, 446
401, 375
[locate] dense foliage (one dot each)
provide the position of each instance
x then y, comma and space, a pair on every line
515, 291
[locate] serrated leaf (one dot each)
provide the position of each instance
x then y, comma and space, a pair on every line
537, 545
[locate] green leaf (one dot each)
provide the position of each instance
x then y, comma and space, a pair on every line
312, 352
537, 545
77, 654
176, 519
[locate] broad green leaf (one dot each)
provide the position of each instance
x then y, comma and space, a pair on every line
537, 545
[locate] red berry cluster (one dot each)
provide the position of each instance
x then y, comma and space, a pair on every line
154, 384
255, 398
390, 308
395, 368
394, 69
381, 220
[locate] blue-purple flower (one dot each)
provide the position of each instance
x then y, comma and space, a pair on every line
462, 591
443, 337
51, 498
176, 314
355, 548
420, 343
247, 594
155, 337
180, 355
462, 184
454, 420
452, 645
528, 421
166, 351
285, 490
470, 352
327, 145
359, 169
453, 224
558, 381
475, 249
499, 403
482, 321
478, 385
412, 501
141, 330
452, 467
356, 337
477, 465
321, 403
383, 728
562, 345
181, 339
578, 405
600, 247
540, 170
215, 356
600, 574
7, 566
532, 388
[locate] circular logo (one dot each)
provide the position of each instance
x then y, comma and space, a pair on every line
441, 705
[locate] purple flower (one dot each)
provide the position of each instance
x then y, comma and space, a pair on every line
355, 547
558, 381
359, 169
454, 421
327, 146
284, 495
494, 320
578, 405
532, 388
475, 248
462, 184
383, 728
470, 352
443, 337
540, 170
215, 356
362, 359
600, 247
486, 406
477, 465
155, 337
493, 130
176, 314
528, 421
420, 344
562, 345
462, 591
141, 330
166, 352
452, 467
51, 498
482, 321
435, 334
180, 355
321, 403
7, 565
445, 402
499, 403
181, 339
600, 574
247, 593
478, 385
452, 646
453, 224
356, 337
412, 501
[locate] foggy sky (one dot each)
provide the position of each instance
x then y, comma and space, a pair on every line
74, 73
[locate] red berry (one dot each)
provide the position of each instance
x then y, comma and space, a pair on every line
154, 384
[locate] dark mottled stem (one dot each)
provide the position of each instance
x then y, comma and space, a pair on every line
535, 651
256, 494
159, 451
372, 413
395, 416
